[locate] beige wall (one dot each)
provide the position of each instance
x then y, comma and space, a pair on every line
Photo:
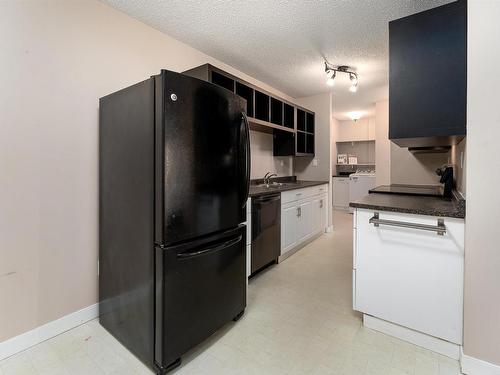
415, 169
360, 130
482, 246
382, 144
58, 58
263, 161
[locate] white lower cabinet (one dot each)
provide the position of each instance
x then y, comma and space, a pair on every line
409, 276
289, 222
303, 216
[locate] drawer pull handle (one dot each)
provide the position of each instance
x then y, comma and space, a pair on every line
298, 194
440, 228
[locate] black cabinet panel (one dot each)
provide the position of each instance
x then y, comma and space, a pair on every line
223, 81
301, 120
276, 111
246, 93
310, 122
283, 143
427, 82
301, 143
261, 106
310, 143
288, 116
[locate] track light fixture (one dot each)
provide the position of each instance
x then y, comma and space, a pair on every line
331, 72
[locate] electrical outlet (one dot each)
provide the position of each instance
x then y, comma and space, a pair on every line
315, 162
282, 163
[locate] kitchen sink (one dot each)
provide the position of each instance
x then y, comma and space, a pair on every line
277, 185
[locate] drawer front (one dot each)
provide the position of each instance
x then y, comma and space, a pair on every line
409, 276
298, 194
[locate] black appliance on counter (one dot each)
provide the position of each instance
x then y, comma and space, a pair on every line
446, 174
173, 183
266, 230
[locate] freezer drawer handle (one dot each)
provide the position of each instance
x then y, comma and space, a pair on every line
214, 249
440, 228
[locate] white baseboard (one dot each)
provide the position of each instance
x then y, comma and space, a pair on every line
417, 338
35, 336
474, 366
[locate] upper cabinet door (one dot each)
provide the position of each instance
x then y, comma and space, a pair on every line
427, 80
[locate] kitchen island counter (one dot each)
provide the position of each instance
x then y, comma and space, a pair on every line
419, 205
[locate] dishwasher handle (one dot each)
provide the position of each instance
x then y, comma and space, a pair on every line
267, 198
440, 228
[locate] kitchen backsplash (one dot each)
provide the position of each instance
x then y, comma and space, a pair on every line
261, 146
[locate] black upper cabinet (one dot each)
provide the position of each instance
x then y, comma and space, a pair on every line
427, 78
261, 106
223, 81
276, 111
300, 143
292, 127
246, 92
288, 116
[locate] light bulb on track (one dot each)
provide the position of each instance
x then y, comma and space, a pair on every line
331, 72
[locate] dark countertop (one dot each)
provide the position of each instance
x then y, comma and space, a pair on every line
418, 205
256, 191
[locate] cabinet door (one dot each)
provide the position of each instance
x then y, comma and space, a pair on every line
322, 213
341, 192
306, 220
316, 211
423, 104
289, 222
411, 277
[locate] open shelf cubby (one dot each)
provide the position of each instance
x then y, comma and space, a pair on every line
261, 106
246, 92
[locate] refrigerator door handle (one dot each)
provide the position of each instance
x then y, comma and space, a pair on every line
246, 142
211, 249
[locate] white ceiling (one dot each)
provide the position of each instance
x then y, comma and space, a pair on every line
283, 42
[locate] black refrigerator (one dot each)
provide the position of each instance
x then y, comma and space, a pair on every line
174, 169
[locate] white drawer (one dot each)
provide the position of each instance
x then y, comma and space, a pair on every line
298, 194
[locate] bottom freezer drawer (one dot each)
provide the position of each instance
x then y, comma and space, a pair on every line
199, 288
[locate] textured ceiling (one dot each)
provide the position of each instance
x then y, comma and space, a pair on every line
283, 42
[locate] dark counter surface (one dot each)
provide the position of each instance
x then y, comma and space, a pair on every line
256, 190
418, 205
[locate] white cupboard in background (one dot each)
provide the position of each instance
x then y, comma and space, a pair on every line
409, 281
360, 184
340, 189
303, 217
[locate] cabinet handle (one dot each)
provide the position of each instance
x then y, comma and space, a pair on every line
321, 203
299, 212
440, 228
298, 194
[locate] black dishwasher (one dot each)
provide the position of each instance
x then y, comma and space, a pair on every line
266, 230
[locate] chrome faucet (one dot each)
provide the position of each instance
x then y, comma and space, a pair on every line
267, 177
